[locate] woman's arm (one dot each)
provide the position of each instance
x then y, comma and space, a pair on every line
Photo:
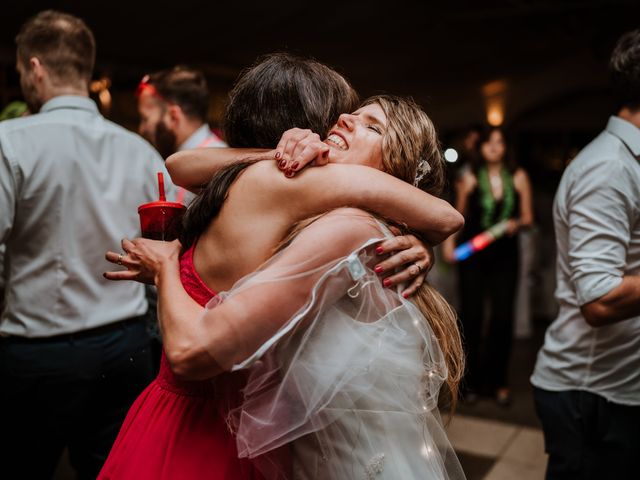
199, 346
523, 187
317, 190
463, 186
157, 262
192, 169
435, 219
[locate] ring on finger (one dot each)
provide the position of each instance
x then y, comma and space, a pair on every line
120, 257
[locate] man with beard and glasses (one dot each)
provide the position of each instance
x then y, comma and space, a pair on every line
74, 348
173, 106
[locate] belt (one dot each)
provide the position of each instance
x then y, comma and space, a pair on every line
91, 332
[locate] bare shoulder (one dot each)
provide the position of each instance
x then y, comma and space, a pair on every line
343, 229
467, 182
520, 178
263, 179
261, 168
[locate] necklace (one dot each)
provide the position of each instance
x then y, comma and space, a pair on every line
488, 201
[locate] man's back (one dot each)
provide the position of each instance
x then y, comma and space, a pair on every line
597, 225
71, 182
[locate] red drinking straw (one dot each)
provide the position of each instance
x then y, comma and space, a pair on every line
161, 187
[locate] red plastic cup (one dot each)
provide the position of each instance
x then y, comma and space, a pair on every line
161, 220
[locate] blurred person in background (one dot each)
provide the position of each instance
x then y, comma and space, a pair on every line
493, 190
468, 148
173, 106
74, 348
587, 376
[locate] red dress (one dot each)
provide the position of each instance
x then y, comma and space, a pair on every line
177, 429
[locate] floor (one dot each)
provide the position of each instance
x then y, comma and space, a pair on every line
503, 443
494, 450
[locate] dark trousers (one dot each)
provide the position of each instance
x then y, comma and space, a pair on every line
587, 437
487, 367
154, 328
73, 391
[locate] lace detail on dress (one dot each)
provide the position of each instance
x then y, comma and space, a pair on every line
374, 467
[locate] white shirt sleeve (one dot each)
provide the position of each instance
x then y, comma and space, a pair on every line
601, 213
8, 189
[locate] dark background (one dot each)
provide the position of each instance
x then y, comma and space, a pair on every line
545, 60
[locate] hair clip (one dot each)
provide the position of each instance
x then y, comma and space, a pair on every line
421, 171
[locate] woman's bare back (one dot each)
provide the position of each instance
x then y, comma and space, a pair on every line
247, 230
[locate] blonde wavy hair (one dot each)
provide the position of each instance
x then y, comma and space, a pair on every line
409, 139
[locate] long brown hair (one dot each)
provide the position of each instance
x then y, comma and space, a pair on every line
283, 91
409, 139
206, 206
444, 323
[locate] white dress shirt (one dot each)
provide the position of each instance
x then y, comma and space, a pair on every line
70, 185
597, 225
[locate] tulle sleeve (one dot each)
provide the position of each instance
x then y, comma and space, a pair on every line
342, 371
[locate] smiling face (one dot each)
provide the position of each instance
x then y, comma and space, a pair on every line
357, 137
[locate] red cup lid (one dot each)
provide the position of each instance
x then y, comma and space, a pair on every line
161, 204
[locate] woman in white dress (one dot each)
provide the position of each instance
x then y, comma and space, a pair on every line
342, 371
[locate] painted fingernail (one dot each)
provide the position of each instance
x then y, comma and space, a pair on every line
282, 164
295, 165
386, 282
278, 155
405, 294
378, 269
379, 250
288, 173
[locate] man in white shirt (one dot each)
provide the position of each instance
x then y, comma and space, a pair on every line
74, 347
587, 376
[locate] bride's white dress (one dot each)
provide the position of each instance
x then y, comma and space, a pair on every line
376, 428
349, 384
